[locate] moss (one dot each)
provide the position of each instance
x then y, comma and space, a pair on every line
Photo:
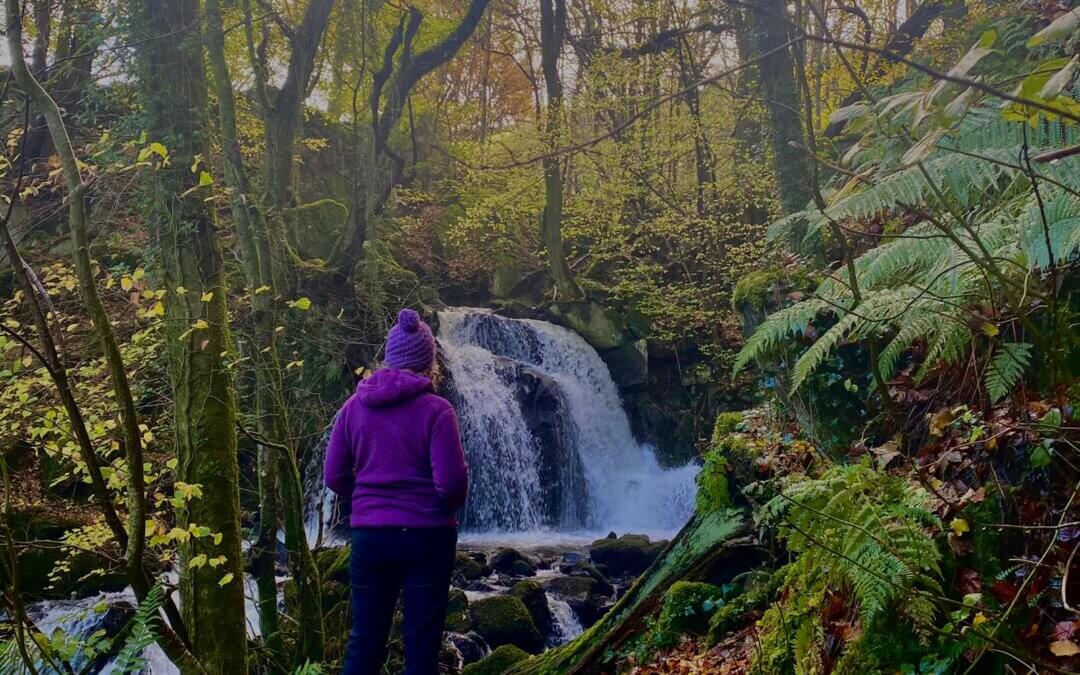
333, 564
758, 288
535, 601
726, 423
686, 609
457, 612
712, 482
316, 226
497, 663
759, 589
503, 620
467, 568
629, 554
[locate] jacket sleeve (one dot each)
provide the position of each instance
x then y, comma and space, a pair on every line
338, 465
448, 466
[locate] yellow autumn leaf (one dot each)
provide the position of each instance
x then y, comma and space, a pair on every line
200, 325
138, 274
198, 561
158, 309
262, 289
180, 290
126, 283
1064, 648
959, 526
207, 296
979, 620
225, 579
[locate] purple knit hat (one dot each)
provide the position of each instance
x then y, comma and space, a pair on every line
409, 344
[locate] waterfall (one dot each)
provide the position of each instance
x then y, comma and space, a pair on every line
548, 443
565, 624
579, 466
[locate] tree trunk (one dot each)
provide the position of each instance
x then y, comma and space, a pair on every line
552, 30
197, 334
777, 70
269, 397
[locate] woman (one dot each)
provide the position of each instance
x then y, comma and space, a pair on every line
396, 453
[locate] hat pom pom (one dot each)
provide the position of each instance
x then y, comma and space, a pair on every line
409, 320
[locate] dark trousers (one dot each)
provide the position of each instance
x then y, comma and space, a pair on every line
384, 562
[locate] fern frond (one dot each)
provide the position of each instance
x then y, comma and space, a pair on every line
142, 635
1007, 366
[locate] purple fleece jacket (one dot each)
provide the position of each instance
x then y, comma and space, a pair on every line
396, 452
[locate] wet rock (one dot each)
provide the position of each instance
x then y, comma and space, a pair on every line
582, 594
499, 662
468, 568
470, 646
480, 587
504, 620
601, 328
628, 555
512, 562
457, 612
629, 364
535, 600
583, 568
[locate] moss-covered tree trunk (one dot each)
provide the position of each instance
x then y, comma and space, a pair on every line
197, 333
272, 424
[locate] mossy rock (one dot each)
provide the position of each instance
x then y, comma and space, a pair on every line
584, 568
467, 568
582, 594
740, 456
498, 662
628, 555
599, 327
458, 619
535, 601
686, 609
333, 564
505, 620
316, 226
513, 562
762, 292
758, 591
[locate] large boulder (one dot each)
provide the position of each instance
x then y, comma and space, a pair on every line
513, 563
499, 662
628, 555
600, 327
584, 568
535, 600
504, 620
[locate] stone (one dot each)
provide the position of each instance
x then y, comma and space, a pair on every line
499, 662
316, 226
511, 561
629, 364
470, 646
468, 568
628, 555
532, 594
583, 568
599, 327
504, 620
582, 594
458, 619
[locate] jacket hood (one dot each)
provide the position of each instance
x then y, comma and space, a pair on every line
389, 387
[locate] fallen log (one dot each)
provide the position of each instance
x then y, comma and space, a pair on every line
704, 543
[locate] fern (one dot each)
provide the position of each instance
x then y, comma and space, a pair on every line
1006, 368
857, 532
142, 634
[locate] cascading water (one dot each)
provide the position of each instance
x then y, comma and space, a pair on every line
548, 443
601, 476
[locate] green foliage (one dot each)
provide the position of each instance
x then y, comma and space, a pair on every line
686, 609
142, 634
1006, 368
712, 483
854, 533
